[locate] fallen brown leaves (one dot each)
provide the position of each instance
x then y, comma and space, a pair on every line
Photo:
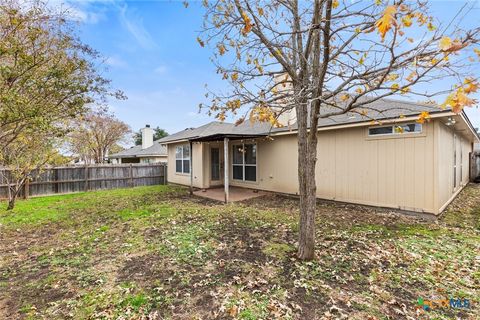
183, 258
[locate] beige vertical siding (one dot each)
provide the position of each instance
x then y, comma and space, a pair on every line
467, 150
390, 171
409, 171
180, 178
276, 165
444, 177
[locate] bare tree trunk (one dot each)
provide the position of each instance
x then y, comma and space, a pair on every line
11, 203
13, 192
307, 160
12, 197
307, 188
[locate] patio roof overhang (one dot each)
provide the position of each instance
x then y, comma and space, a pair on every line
221, 137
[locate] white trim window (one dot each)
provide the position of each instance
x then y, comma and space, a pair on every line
244, 162
182, 159
395, 129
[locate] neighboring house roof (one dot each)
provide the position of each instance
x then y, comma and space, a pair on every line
156, 150
382, 109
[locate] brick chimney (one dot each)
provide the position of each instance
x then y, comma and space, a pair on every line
283, 85
147, 137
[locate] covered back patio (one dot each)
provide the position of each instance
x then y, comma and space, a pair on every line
221, 166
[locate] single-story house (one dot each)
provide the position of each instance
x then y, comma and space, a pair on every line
393, 162
148, 152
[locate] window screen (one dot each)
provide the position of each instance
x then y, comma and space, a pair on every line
182, 159
395, 129
244, 162
380, 130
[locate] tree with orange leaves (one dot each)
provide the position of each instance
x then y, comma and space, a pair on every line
322, 58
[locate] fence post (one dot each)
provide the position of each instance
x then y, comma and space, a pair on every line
164, 166
26, 189
131, 175
86, 177
55, 176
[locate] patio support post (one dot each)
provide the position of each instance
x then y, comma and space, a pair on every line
191, 167
225, 166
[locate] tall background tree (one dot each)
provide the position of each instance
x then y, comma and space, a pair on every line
323, 58
48, 77
96, 135
158, 133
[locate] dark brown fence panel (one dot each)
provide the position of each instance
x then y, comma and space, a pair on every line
4, 190
68, 179
42, 184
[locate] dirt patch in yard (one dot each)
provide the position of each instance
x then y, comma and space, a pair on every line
144, 270
241, 242
32, 288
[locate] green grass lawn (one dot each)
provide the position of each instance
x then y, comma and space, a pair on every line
157, 253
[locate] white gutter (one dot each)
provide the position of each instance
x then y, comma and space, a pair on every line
469, 125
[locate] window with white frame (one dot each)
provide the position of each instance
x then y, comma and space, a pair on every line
244, 162
182, 159
395, 129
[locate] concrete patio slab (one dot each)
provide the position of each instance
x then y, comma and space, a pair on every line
235, 194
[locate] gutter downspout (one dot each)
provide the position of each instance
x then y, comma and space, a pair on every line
191, 167
226, 180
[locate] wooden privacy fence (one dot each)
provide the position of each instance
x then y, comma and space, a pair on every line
68, 179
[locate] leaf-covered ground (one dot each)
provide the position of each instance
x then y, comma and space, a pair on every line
156, 253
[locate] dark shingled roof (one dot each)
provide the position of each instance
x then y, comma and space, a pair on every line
379, 110
155, 150
217, 128
382, 109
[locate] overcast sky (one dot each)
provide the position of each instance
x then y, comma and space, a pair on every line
153, 56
